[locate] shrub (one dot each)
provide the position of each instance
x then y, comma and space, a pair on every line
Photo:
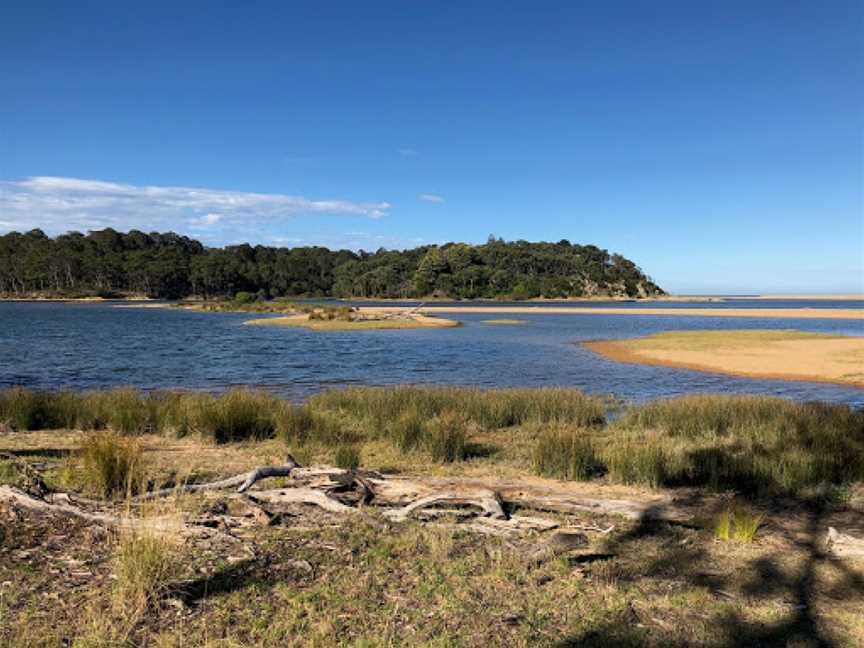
243, 297
110, 464
566, 454
447, 438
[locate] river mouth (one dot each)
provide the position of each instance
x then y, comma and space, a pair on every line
83, 346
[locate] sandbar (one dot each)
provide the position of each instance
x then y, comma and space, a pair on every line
789, 313
775, 354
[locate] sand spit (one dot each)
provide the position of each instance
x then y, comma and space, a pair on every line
791, 313
786, 355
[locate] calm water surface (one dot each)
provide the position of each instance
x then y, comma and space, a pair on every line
45, 345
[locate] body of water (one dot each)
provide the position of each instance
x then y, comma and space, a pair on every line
83, 346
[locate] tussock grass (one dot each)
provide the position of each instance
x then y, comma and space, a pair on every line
566, 453
747, 523
236, 415
494, 408
145, 565
110, 464
447, 437
737, 521
751, 444
723, 525
347, 456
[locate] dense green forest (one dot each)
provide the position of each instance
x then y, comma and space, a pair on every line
171, 266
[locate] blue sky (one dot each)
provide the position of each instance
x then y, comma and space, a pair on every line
717, 144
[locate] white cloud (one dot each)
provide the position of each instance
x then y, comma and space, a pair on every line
62, 204
206, 220
407, 152
431, 198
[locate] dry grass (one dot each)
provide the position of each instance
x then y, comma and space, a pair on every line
109, 464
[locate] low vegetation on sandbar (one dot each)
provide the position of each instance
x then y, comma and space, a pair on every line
368, 323
331, 555
505, 322
784, 354
322, 317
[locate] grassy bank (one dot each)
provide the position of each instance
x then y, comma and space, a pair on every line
754, 445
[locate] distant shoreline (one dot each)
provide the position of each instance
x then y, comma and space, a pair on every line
491, 300
791, 313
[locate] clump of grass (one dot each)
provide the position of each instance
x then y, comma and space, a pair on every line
635, 460
110, 464
347, 456
236, 415
737, 521
407, 431
723, 525
294, 423
566, 453
145, 565
747, 523
124, 410
447, 437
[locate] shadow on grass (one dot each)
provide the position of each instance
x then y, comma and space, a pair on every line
54, 453
769, 579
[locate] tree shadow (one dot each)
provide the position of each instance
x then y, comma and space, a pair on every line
262, 571
54, 453
769, 578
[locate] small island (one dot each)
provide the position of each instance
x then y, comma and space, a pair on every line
356, 320
782, 354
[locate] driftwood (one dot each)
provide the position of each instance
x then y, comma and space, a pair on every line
844, 545
58, 506
243, 482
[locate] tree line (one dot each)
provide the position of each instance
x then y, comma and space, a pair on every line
170, 266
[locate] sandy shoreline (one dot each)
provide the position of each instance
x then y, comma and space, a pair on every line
784, 355
799, 313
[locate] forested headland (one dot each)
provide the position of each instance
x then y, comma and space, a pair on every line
108, 263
